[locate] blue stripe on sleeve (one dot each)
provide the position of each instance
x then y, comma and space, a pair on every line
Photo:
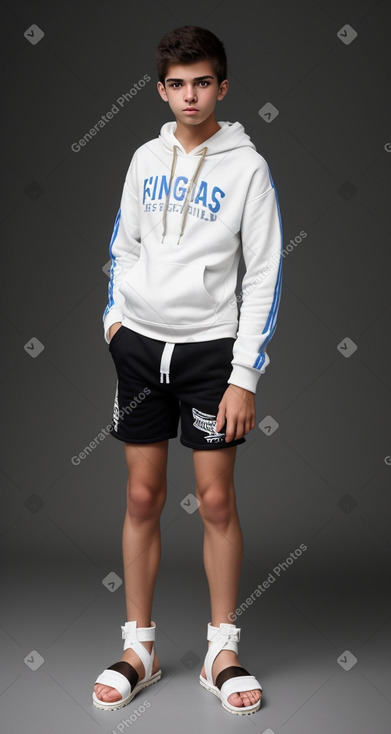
271, 322
113, 263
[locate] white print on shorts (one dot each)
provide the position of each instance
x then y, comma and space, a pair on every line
116, 409
207, 422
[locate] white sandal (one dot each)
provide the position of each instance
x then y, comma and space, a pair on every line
122, 675
234, 678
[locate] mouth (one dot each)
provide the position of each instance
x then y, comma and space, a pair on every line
190, 109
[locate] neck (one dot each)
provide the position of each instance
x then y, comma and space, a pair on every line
190, 136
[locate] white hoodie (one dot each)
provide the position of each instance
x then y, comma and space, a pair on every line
184, 220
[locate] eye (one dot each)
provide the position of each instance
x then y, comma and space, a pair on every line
204, 82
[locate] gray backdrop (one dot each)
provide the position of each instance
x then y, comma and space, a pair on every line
315, 472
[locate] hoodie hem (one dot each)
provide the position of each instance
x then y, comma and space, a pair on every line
180, 333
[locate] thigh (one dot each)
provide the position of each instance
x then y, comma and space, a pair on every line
214, 469
147, 464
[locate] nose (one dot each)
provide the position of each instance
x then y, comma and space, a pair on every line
190, 94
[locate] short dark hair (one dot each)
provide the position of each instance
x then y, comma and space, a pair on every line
187, 45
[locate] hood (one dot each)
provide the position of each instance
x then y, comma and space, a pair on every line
231, 136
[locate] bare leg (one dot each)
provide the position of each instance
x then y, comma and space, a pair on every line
141, 543
223, 548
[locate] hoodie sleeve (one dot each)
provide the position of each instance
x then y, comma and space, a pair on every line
124, 250
261, 236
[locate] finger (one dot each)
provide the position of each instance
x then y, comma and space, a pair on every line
230, 430
240, 429
251, 424
220, 420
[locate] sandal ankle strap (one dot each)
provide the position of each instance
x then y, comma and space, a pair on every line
225, 631
132, 633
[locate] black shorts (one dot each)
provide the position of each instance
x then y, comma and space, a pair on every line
160, 382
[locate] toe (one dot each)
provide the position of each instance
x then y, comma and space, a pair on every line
247, 698
106, 693
244, 698
113, 695
235, 700
251, 697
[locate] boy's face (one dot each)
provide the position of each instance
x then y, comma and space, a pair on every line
192, 91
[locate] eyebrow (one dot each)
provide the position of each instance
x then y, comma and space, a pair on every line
196, 78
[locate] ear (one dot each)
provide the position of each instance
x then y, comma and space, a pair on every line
223, 89
162, 91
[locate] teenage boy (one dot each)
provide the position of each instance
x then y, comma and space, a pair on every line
194, 199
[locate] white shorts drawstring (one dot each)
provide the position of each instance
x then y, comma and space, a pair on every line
165, 361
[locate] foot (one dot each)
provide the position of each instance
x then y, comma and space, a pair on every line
109, 694
224, 659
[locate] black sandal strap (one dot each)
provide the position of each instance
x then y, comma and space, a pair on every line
232, 671
128, 671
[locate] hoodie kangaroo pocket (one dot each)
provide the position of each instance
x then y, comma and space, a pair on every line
165, 292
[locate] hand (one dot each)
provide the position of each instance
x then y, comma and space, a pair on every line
237, 407
113, 329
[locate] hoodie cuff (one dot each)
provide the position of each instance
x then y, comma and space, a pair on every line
113, 316
246, 377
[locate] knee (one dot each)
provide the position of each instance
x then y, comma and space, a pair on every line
217, 504
144, 502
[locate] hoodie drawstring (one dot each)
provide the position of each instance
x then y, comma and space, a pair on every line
189, 191
202, 153
173, 166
